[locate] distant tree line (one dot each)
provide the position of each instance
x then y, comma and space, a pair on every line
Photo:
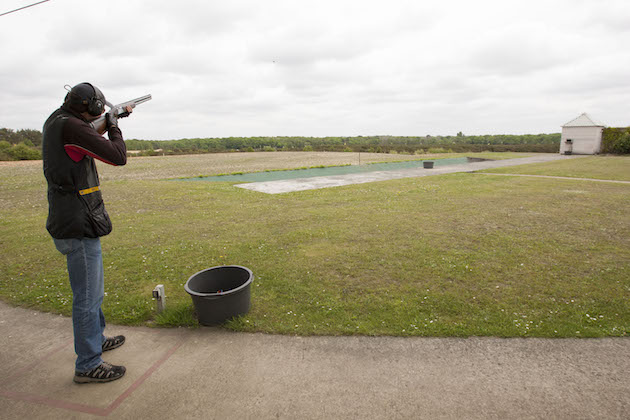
376, 144
26, 144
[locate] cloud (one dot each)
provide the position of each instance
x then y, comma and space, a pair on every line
343, 67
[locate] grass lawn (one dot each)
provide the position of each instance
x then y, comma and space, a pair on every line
450, 255
597, 167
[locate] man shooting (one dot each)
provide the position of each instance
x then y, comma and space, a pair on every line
77, 217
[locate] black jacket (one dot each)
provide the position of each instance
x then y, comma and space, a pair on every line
75, 203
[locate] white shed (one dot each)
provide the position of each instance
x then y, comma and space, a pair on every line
582, 136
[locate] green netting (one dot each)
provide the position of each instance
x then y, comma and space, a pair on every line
328, 171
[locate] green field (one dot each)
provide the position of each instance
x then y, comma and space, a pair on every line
595, 167
451, 255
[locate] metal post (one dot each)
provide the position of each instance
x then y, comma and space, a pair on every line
160, 297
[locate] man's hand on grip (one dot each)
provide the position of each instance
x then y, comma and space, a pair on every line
111, 120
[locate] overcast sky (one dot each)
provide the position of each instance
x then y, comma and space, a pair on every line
322, 68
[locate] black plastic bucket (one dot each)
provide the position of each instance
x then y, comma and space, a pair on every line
220, 293
427, 164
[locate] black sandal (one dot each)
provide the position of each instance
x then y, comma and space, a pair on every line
104, 372
111, 343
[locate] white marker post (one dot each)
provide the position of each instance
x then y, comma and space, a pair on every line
160, 297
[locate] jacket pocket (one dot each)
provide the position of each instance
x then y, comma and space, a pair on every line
96, 213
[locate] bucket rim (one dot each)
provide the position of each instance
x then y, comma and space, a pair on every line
224, 293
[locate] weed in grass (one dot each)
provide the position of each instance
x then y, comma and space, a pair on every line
177, 315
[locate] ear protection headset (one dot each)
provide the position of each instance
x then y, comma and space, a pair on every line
95, 102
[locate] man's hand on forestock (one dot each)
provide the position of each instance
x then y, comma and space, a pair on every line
128, 110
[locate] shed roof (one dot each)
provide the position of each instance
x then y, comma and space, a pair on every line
584, 120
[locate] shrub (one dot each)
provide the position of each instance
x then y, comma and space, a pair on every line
148, 153
623, 145
616, 140
22, 152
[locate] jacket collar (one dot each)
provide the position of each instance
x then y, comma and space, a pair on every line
66, 108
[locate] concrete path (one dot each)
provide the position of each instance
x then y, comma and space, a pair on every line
301, 184
209, 373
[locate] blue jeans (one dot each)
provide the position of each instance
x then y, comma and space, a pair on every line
85, 269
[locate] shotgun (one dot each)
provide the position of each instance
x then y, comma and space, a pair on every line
120, 111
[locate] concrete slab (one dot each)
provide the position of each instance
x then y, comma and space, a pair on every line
210, 373
302, 184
